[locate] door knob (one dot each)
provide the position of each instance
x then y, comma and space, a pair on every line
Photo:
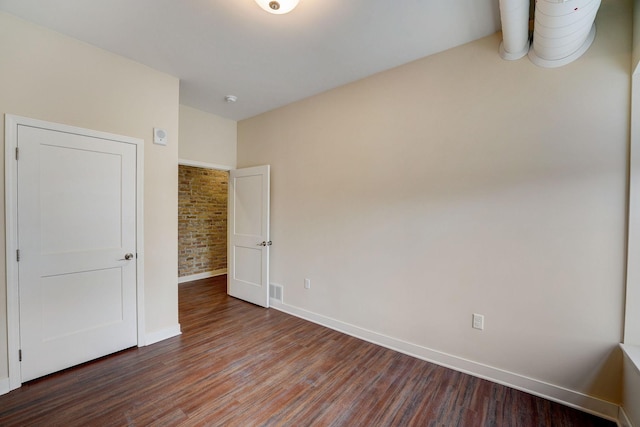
127, 257
269, 243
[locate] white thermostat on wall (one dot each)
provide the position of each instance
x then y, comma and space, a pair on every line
159, 136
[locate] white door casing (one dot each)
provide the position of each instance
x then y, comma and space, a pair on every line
248, 224
72, 296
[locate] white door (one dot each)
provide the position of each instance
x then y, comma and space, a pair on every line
249, 243
77, 248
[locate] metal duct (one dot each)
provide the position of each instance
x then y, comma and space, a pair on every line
514, 15
563, 30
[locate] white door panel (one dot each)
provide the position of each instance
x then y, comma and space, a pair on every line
248, 277
69, 223
76, 221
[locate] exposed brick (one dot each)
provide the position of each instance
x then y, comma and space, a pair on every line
202, 220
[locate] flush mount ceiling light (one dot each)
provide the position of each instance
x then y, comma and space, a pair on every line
278, 7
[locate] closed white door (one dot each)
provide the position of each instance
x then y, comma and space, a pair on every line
248, 224
77, 248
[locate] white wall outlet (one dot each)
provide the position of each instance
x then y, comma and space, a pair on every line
478, 321
307, 283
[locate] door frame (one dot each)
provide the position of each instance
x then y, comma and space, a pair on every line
207, 166
226, 168
11, 229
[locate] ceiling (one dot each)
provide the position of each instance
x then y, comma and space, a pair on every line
233, 47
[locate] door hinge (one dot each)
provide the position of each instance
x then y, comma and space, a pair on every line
17, 151
18, 255
19, 355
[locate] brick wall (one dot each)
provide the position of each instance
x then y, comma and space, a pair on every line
202, 220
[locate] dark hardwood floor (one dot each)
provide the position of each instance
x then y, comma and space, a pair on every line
240, 365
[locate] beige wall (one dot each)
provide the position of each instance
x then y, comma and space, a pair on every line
207, 138
47, 76
631, 393
631, 379
460, 184
632, 312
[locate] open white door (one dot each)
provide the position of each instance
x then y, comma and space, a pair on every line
248, 277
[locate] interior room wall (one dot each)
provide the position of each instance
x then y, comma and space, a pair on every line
202, 221
631, 379
631, 393
207, 138
460, 184
48, 76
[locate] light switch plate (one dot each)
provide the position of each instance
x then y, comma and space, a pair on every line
478, 321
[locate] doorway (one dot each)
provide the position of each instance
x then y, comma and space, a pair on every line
202, 222
246, 235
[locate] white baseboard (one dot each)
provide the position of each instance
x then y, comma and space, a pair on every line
4, 386
551, 392
157, 336
200, 276
623, 419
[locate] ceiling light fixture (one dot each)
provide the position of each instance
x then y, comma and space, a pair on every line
278, 7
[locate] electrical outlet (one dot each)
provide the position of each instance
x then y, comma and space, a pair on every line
307, 283
478, 321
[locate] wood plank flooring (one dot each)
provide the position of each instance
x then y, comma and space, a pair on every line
240, 365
